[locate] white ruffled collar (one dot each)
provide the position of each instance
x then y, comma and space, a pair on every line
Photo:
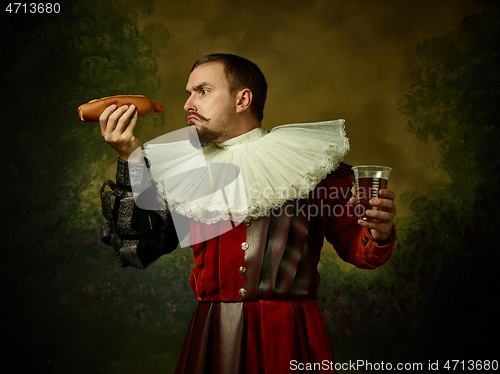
243, 140
247, 176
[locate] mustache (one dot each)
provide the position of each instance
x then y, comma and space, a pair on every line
199, 116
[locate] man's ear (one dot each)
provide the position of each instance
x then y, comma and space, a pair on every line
243, 100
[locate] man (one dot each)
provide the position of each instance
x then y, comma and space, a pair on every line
257, 281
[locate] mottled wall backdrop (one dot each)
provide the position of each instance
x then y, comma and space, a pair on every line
417, 83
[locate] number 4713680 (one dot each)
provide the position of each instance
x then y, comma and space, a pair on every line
33, 8
471, 365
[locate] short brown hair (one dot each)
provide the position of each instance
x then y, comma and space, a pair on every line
241, 73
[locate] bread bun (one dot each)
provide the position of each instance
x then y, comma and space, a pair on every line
91, 111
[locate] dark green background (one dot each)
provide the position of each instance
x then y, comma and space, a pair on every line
418, 85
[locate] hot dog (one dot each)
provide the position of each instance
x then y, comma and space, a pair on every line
91, 111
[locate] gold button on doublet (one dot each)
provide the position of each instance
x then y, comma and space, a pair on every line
244, 246
246, 222
242, 270
243, 292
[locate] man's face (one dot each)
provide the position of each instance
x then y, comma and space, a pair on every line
210, 108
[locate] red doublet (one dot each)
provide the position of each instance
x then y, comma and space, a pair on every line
257, 284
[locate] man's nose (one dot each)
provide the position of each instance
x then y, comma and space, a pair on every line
189, 105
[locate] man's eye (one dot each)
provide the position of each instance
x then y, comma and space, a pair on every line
204, 92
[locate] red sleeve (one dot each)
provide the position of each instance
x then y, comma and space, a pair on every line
338, 223
355, 245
